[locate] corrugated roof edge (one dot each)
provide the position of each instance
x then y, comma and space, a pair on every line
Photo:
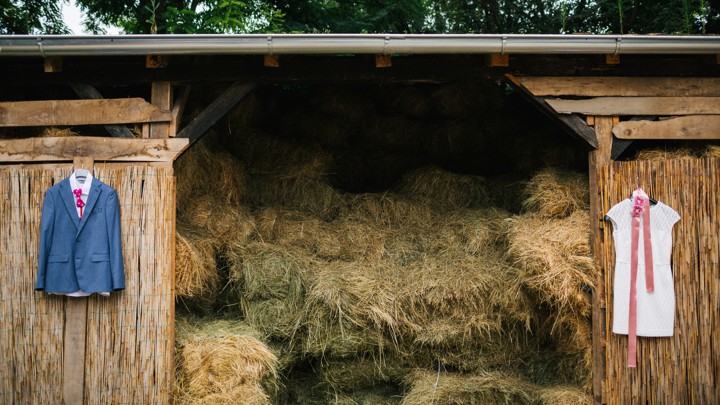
259, 44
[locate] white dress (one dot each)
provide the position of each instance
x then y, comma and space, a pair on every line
655, 310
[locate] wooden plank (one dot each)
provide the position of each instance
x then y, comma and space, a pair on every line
78, 112
688, 127
55, 149
75, 332
177, 111
597, 159
161, 97
595, 86
86, 91
215, 111
638, 106
572, 124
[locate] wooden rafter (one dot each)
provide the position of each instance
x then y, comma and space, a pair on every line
638, 105
607, 86
216, 110
572, 124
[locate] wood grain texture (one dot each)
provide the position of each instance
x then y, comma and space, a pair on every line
79, 112
161, 98
99, 148
606, 86
684, 368
638, 106
597, 159
687, 127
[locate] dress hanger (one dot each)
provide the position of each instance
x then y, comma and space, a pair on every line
652, 200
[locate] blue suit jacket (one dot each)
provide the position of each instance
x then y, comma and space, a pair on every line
79, 254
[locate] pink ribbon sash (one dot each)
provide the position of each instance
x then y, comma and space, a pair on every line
641, 207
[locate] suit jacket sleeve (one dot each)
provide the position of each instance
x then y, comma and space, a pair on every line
46, 231
112, 217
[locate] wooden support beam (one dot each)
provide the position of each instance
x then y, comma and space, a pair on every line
619, 146
605, 86
75, 331
177, 111
498, 60
638, 106
161, 97
612, 59
156, 61
215, 111
79, 112
688, 127
597, 159
572, 124
87, 91
271, 61
58, 149
383, 61
53, 64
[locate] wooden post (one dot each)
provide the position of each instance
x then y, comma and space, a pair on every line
75, 333
598, 158
161, 96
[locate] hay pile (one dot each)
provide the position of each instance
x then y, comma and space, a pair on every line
364, 296
223, 362
549, 247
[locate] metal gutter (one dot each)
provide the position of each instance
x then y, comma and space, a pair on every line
258, 44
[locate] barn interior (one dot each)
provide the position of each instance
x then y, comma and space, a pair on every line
410, 237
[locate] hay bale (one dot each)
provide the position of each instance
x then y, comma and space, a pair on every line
357, 373
555, 193
270, 283
463, 100
57, 132
467, 231
444, 190
553, 259
244, 113
564, 394
196, 275
341, 239
302, 187
410, 101
426, 387
387, 210
349, 310
220, 359
664, 154
396, 134
343, 101
712, 151
202, 171
245, 394
225, 223
453, 299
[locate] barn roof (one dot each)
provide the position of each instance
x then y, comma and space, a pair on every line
71, 45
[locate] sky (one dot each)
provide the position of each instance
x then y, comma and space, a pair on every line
73, 16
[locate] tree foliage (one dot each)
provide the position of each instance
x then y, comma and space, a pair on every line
31, 17
371, 16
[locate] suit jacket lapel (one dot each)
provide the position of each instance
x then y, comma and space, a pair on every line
68, 199
91, 200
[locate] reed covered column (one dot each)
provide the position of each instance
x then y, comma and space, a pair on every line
598, 158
